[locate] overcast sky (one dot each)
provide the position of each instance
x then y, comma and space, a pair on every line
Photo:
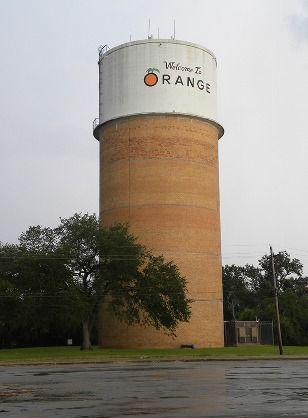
49, 98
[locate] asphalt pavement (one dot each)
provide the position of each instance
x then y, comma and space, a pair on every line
156, 389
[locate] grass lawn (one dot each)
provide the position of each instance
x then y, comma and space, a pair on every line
73, 353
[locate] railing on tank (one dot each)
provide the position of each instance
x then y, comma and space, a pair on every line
95, 123
101, 51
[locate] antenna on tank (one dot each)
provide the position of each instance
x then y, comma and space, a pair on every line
149, 30
158, 33
173, 37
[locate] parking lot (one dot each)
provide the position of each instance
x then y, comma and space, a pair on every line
157, 389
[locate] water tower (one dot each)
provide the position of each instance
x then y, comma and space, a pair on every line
158, 138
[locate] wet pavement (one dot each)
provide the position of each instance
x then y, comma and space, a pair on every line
171, 389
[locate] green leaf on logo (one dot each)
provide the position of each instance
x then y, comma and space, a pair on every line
151, 70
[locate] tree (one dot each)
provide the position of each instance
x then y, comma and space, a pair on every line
56, 278
237, 291
36, 272
292, 291
10, 306
249, 293
108, 265
288, 271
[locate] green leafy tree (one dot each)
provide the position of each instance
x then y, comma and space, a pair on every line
57, 278
259, 301
108, 265
36, 270
288, 272
292, 293
10, 303
238, 293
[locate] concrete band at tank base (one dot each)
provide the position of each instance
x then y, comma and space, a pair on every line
215, 124
159, 173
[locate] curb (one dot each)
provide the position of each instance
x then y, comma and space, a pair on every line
124, 360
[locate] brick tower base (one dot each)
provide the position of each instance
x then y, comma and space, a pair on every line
160, 174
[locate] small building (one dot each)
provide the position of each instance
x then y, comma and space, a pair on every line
239, 333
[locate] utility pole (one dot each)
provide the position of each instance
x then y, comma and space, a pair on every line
276, 303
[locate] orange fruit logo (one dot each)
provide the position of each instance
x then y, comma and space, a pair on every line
150, 79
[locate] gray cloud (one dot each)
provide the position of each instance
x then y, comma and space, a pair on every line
299, 23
